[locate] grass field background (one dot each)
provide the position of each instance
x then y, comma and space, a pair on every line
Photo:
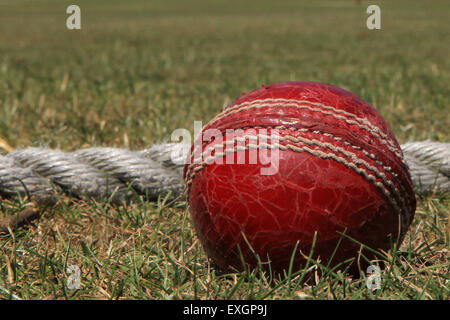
137, 70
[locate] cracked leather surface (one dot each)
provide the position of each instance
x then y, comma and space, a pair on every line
308, 194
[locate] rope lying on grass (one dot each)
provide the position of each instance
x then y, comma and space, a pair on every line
113, 173
429, 164
121, 174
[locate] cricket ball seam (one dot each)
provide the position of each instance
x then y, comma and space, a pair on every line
319, 104
318, 132
369, 177
195, 168
281, 100
361, 122
356, 159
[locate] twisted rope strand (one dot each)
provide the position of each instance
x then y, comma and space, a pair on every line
119, 174
429, 164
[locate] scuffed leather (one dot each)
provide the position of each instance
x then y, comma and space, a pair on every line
308, 194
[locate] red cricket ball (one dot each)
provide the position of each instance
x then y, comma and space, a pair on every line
290, 160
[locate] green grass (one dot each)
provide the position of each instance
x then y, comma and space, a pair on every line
137, 71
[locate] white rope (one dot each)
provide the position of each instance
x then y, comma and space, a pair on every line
121, 174
429, 164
